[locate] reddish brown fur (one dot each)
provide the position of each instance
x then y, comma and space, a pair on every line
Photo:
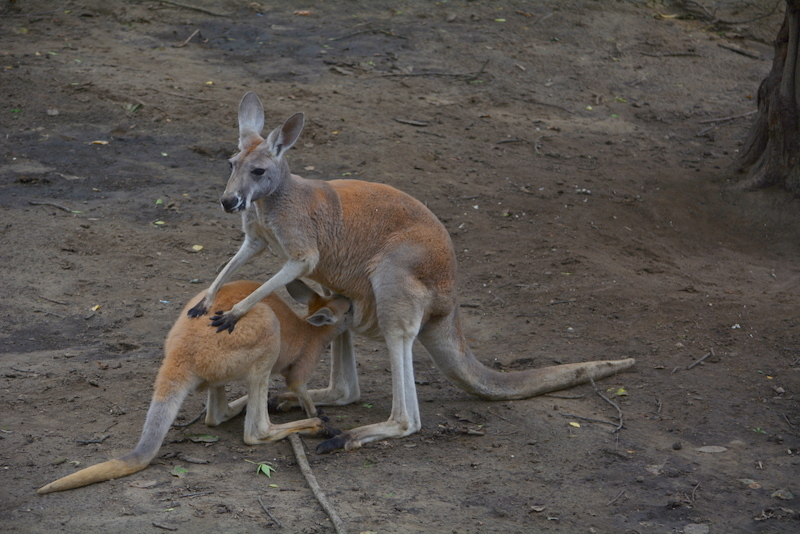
381, 248
271, 339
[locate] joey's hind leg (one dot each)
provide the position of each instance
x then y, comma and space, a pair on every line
259, 429
217, 408
343, 387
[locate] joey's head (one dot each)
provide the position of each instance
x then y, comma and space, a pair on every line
323, 310
259, 168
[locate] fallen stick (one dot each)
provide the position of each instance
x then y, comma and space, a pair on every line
615, 499
200, 9
698, 362
187, 40
52, 300
98, 440
264, 507
45, 203
468, 76
195, 494
588, 418
36, 14
730, 118
302, 461
184, 96
612, 403
738, 50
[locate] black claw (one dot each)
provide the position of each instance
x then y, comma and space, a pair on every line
336, 443
223, 322
329, 432
197, 310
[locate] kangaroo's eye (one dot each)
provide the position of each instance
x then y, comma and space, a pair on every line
258, 172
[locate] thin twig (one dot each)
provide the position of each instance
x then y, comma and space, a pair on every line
26, 371
187, 40
732, 117
612, 501
36, 14
720, 122
98, 440
588, 419
193, 421
701, 360
385, 31
694, 491
200, 9
612, 403
738, 50
419, 124
195, 494
53, 300
302, 461
47, 203
672, 54
51, 313
264, 507
497, 415
468, 76
565, 397
784, 415
184, 96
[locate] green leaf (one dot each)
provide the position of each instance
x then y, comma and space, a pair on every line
263, 468
202, 438
179, 471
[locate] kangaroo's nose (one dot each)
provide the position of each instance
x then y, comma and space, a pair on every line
232, 203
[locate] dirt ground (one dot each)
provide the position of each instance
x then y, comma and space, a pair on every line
570, 148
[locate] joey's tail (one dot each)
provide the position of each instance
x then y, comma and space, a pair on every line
443, 339
159, 419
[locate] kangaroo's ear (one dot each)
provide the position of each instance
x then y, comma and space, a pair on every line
300, 292
281, 139
323, 317
251, 117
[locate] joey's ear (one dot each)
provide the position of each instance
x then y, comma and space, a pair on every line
323, 317
300, 292
251, 117
281, 139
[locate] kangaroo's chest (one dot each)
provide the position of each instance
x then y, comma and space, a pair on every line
261, 231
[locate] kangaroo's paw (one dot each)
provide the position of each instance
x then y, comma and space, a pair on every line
327, 430
224, 321
336, 443
198, 309
280, 403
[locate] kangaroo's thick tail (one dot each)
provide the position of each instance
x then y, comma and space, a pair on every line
444, 340
159, 419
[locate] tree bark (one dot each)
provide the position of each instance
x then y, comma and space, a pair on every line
771, 153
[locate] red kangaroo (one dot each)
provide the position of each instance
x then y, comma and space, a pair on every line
385, 251
271, 339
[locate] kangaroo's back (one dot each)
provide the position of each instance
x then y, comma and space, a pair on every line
192, 346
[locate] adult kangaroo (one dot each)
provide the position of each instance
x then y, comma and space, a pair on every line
385, 251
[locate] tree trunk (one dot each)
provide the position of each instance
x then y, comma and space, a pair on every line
771, 154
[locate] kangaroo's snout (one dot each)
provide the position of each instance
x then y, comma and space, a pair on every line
232, 203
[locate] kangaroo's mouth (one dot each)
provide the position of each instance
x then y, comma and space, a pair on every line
233, 203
